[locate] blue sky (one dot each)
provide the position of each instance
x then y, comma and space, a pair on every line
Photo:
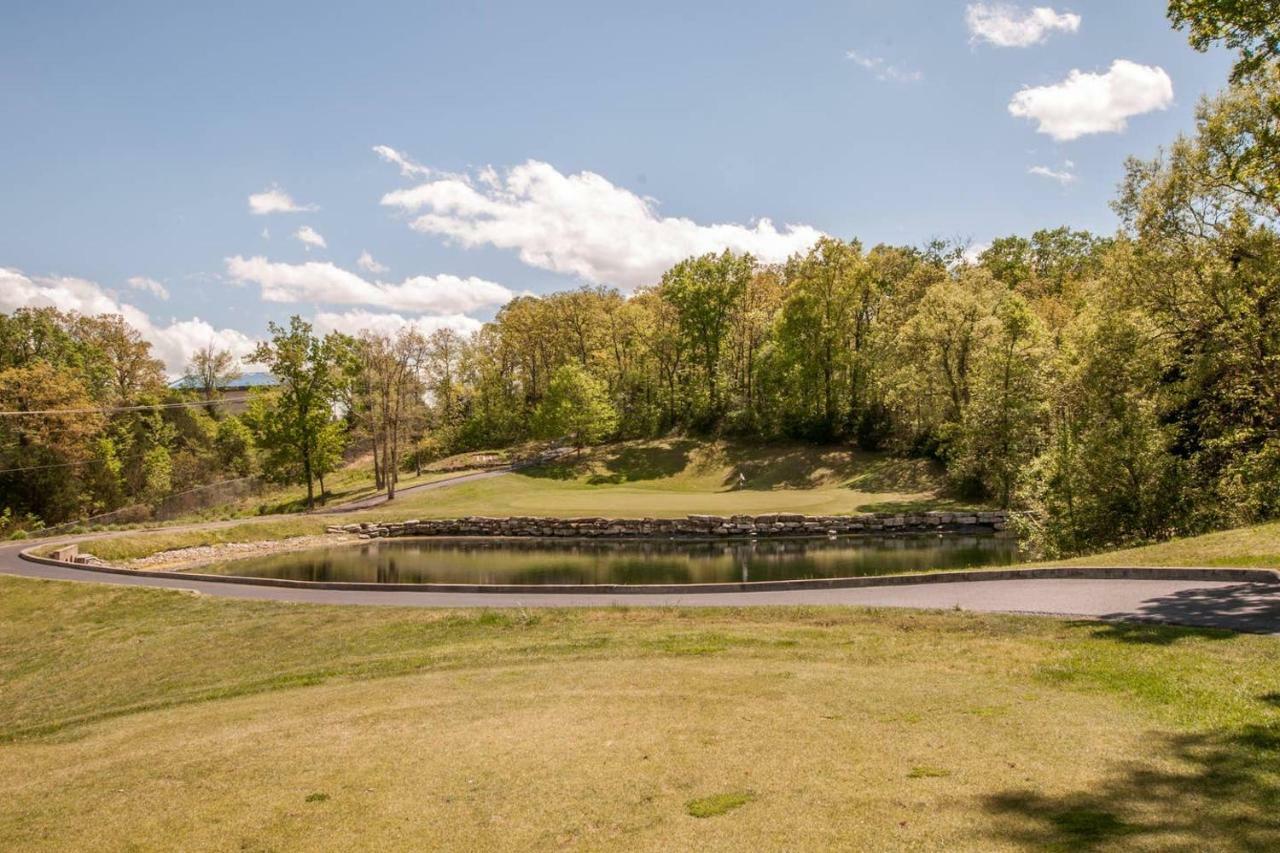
136, 133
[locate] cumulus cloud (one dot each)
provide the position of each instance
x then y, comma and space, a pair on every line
357, 320
148, 285
174, 344
367, 263
580, 224
407, 167
276, 200
1005, 25
310, 238
1087, 103
882, 70
324, 282
1063, 176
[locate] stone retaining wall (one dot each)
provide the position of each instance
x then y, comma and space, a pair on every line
693, 526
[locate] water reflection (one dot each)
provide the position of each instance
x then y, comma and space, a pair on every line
527, 561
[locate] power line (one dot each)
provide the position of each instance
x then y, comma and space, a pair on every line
46, 467
111, 409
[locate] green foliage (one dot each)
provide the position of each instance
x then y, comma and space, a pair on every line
703, 291
233, 444
296, 425
576, 406
1251, 27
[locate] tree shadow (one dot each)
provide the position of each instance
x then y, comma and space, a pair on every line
766, 467
564, 468
1207, 790
1143, 634
1253, 608
648, 462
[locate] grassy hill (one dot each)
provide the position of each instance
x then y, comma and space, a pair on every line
1257, 546
676, 477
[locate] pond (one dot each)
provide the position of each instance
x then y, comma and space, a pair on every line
540, 561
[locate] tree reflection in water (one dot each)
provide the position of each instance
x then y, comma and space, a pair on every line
626, 561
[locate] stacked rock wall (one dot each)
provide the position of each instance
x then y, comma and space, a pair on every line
693, 526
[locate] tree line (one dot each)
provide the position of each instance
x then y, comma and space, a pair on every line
1125, 387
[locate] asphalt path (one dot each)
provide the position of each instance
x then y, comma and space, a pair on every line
381, 497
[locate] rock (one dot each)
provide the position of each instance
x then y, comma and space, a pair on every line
773, 524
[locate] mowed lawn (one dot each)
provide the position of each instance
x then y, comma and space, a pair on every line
676, 477
1257, 546
146, 720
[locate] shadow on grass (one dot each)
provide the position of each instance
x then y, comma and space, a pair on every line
621, 465
654, 462
809, 467
1197, 791
923, 505
1137, 633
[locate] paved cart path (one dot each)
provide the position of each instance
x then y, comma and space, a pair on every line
381, 497
1253, 607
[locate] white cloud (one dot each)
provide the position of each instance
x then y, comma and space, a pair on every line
1005, 25
174, 344
323, 282
148, 285
310, 238
581, 224
358, 320
1063, 176
972, 253
276, 200
367, 263
882, 69
407, 167
1087, 103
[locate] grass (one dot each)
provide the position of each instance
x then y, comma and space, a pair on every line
146, 719
677, 477
718, 804
1248, 547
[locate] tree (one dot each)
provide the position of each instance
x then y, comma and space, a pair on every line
390, 372
131, 368
1000, 433
816, 327
211, 370
296, 421
703, 291
44, 453
444, 353
233, 444
576, 406
1250, 27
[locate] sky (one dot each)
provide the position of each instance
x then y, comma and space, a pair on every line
206, 168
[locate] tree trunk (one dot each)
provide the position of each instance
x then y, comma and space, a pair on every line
306, 470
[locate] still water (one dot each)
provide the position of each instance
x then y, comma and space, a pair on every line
516, 561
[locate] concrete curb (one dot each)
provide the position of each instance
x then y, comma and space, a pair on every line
1264, 576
